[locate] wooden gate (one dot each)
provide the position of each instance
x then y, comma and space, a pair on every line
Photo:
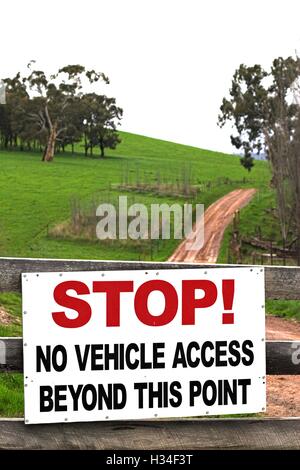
283, 358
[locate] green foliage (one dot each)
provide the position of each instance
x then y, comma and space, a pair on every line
11, 393
100, 115
12, 303
248, 162
256, 102
50, 112
284, 308
265, 112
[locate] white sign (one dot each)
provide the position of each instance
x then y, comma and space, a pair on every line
133, 344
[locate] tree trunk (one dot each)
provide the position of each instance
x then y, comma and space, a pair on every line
101, 150
86, 147
49, 151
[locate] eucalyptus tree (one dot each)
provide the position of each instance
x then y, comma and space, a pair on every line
101, 117
264, 110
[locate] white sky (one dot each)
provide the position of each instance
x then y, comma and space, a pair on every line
170, 62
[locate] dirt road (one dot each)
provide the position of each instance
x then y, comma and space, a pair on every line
283, 396
282, 329
216, 218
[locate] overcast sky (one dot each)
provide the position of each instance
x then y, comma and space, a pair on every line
170, 62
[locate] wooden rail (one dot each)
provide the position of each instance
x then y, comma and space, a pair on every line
282, 282
283, 357
181, 434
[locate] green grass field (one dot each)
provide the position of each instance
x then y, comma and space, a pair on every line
36, 196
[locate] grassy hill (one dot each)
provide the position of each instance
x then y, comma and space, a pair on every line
35, 196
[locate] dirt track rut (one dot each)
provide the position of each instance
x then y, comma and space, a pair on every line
216, 218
